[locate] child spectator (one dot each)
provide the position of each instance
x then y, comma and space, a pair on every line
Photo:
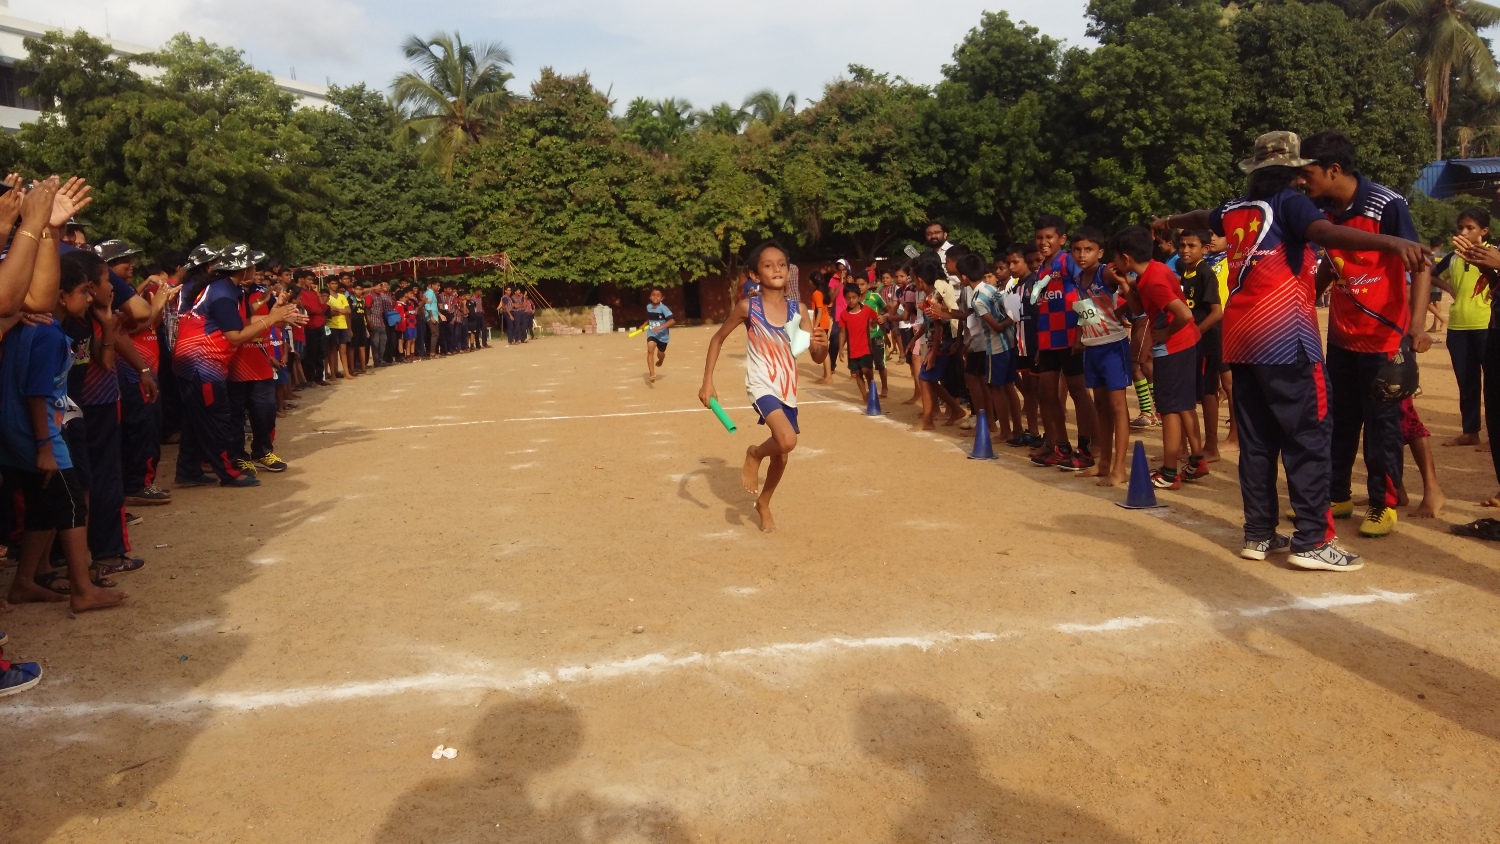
1055, 294
856, 323
1021, 260
823, 320
1468, 321
996, 330
1166, 311
659, 321
1104, 341
770, 371
877, 303
1201, 287
34, 369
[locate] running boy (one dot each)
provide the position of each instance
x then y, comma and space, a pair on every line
1166, 311
659, 322
1104, 342
770, 370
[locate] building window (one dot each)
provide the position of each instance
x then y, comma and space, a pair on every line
11, 83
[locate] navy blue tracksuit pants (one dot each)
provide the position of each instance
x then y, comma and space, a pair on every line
206, 432
1350, 377
1281, 410
1466, 348
255, 400
141, 423
107, 534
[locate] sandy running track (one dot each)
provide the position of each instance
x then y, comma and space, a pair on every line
931, 648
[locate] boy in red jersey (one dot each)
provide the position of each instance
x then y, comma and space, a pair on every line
1369, 314
1274, 348
1159, 295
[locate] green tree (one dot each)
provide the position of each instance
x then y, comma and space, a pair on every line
568, 198
206, 150
855, 162
726, 187
1444, 37
385, 204
658, 126
988, 131
1148, 109
723, 118
457, 94
769, 108
1308, 67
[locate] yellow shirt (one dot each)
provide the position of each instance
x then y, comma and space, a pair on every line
1221, 269
338, 321
1470, 311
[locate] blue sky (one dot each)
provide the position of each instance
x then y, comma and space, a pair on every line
703, 50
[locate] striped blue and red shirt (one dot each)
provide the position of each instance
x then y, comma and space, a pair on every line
202, 351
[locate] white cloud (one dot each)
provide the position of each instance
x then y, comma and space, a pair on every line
704, 50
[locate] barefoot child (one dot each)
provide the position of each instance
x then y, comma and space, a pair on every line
770, 370
35, 459
856, 324
1200, 285
659, 321
998, 327
1104, 342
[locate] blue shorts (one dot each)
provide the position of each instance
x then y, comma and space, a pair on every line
1003, 369
283, 377
766, 405
1107, 366
410, 333
935, 374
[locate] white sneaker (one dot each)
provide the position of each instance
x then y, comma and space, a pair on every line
1258, 550
1326, 557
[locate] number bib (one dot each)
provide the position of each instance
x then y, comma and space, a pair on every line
1088, 313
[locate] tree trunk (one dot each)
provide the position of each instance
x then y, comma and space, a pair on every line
1440, 109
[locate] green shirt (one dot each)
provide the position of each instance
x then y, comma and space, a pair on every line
873, 300
1470, 311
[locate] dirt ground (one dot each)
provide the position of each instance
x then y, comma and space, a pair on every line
531, 556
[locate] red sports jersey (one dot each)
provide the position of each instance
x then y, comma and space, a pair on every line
1269, 317
252, 361
1158, 288
1369, 310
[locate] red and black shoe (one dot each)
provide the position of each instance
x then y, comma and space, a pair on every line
1077, 462
1052, 457
1165, 478
1196, 468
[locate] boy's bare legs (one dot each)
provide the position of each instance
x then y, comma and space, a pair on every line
1226, 381
1432, 494
1000, 412
979, 399
1083, 408
1029, 408
924, 391
885, 386
1114, 436
23, 590
956, 412
1054, 431
776, 447
85, 595
1211, 427
651, 361
1013, 408
1171, 440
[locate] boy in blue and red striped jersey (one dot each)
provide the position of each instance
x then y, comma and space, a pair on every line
1273, 346
1370, 313
1055, 295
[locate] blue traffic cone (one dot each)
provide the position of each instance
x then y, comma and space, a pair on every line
872, 406
982, 448
1142, 495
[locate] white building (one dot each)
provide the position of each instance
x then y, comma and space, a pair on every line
16, 109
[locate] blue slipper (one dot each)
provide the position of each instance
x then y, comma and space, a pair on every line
19, 677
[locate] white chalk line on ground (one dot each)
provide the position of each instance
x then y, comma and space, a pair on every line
521, 680
536, 419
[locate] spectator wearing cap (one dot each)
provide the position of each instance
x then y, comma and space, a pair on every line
180, 276
209, 332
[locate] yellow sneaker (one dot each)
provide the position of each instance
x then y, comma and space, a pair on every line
1378, 522
1342, 509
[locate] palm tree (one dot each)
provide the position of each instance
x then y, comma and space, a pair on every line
457, 94
766, 106
1444, 37
723, 118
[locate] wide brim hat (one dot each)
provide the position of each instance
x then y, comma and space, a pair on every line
239, 257
1275, 149
115, 250
202, 255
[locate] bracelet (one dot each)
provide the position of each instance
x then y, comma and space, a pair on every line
30, 235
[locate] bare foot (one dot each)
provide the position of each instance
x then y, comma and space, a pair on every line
1090, 472
651, 379
1484, 447
912, 400
1492, 501
925, 426
30, 593
96, 599
767, 521
1112, 480
883, 394
824, 380
661, 359
750, 475
954, 420
1212, 457
1463, 439
1432, 505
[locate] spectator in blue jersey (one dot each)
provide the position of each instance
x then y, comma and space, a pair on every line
210, 329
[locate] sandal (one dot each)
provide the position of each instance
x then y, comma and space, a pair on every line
1479, 529
117, 565
49, 580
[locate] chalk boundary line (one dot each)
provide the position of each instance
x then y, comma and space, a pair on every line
540, 419
190, 706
